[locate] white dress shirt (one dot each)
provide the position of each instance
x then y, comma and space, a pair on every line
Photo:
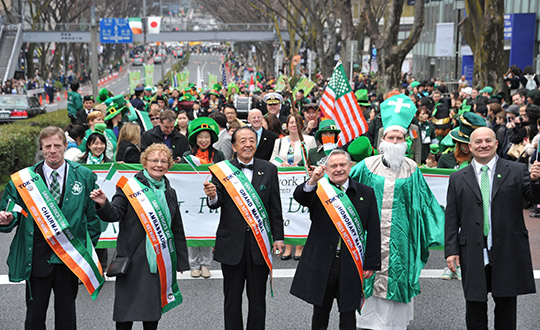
478, 172
62, 171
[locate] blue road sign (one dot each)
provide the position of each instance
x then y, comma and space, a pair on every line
115, 31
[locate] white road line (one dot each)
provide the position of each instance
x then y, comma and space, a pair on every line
278, 273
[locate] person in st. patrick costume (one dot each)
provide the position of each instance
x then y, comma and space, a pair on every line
411, 221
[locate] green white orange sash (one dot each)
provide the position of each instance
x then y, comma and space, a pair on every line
82, 261
345, 217
145, 204
248, 203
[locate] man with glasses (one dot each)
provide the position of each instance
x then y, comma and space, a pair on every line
165, 133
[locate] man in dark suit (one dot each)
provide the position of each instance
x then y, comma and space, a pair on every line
82, 115
337, 275
166, 134
265, 138
485, 232
236, 248
31, 258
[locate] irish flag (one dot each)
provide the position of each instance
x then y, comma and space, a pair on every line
12, 207
193, 161
135, 24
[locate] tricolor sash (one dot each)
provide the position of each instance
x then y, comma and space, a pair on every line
145, 204
345, 217
81, 260
248, 203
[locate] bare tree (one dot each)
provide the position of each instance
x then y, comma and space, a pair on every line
390, 53
483, 29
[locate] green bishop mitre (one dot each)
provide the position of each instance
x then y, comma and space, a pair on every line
397, 113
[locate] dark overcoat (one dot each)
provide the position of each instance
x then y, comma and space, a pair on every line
309, 283
231, 232
137, 294
510, 258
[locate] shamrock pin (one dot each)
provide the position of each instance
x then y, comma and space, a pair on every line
499, 176
361, 198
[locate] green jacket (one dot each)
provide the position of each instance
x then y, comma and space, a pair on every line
74, 103
77, 207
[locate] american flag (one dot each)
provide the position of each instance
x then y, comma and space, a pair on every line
339, 103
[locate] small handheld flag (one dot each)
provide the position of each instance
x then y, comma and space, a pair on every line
12, 207
194, 162
110, 174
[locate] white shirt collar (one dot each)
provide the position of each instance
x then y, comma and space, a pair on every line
241, 162
490, 164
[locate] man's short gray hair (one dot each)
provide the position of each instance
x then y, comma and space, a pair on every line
338, 152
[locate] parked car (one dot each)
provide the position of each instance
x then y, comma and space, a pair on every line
17, 107
137, 60
158, 58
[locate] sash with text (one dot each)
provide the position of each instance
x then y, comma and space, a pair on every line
81, 260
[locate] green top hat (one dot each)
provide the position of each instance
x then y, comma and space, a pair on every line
469, 121
362, 97
216, 87
327, 125
487, 89
103, 95
100, 128
397, 113
214, 92
115, 105
361, 148
434, 148
202, 124
415, 84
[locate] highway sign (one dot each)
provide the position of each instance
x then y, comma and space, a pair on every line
115, 31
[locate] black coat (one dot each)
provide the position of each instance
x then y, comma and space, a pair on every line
179, 143
266, 145
137, 294
127, 152
231, 232
311, 276
510, 254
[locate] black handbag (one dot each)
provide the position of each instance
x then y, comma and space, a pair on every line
118, 266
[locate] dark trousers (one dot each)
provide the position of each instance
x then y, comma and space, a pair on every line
147, 325
505, 311
38, 291
321, 314
254, 277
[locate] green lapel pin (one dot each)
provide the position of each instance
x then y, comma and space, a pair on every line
499, 176
361, 198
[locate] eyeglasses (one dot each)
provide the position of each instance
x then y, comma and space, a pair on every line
160, 161
154, 118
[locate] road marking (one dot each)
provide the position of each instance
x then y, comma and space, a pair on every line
278, 273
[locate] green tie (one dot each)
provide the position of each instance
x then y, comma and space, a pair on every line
484, 188
55, 187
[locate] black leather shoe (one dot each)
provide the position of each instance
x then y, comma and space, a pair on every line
284, 257
297, 257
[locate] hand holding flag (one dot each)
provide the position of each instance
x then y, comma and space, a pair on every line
13, 207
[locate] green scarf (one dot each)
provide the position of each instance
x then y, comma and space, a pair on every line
94, 160
158, 187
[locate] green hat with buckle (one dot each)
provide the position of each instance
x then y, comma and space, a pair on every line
362, 97
469, 121
187, 97
100, 128
202, 124
115, 105
327, 125
361, 148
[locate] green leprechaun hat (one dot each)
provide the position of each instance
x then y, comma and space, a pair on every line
100, 128
362, 97
361, 148
115, 106
327, 125
397, 113
103, 95
202, 124
468, 122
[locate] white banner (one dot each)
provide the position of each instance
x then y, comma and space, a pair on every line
200, 222
444, 41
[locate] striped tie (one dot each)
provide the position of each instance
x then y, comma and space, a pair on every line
55, 187
484, 188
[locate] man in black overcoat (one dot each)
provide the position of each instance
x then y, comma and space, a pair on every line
242, 261
490, 241
327, 269
265, 138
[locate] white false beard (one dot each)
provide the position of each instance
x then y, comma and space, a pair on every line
393, 154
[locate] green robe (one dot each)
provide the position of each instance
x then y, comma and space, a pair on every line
74, 103
411, 221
